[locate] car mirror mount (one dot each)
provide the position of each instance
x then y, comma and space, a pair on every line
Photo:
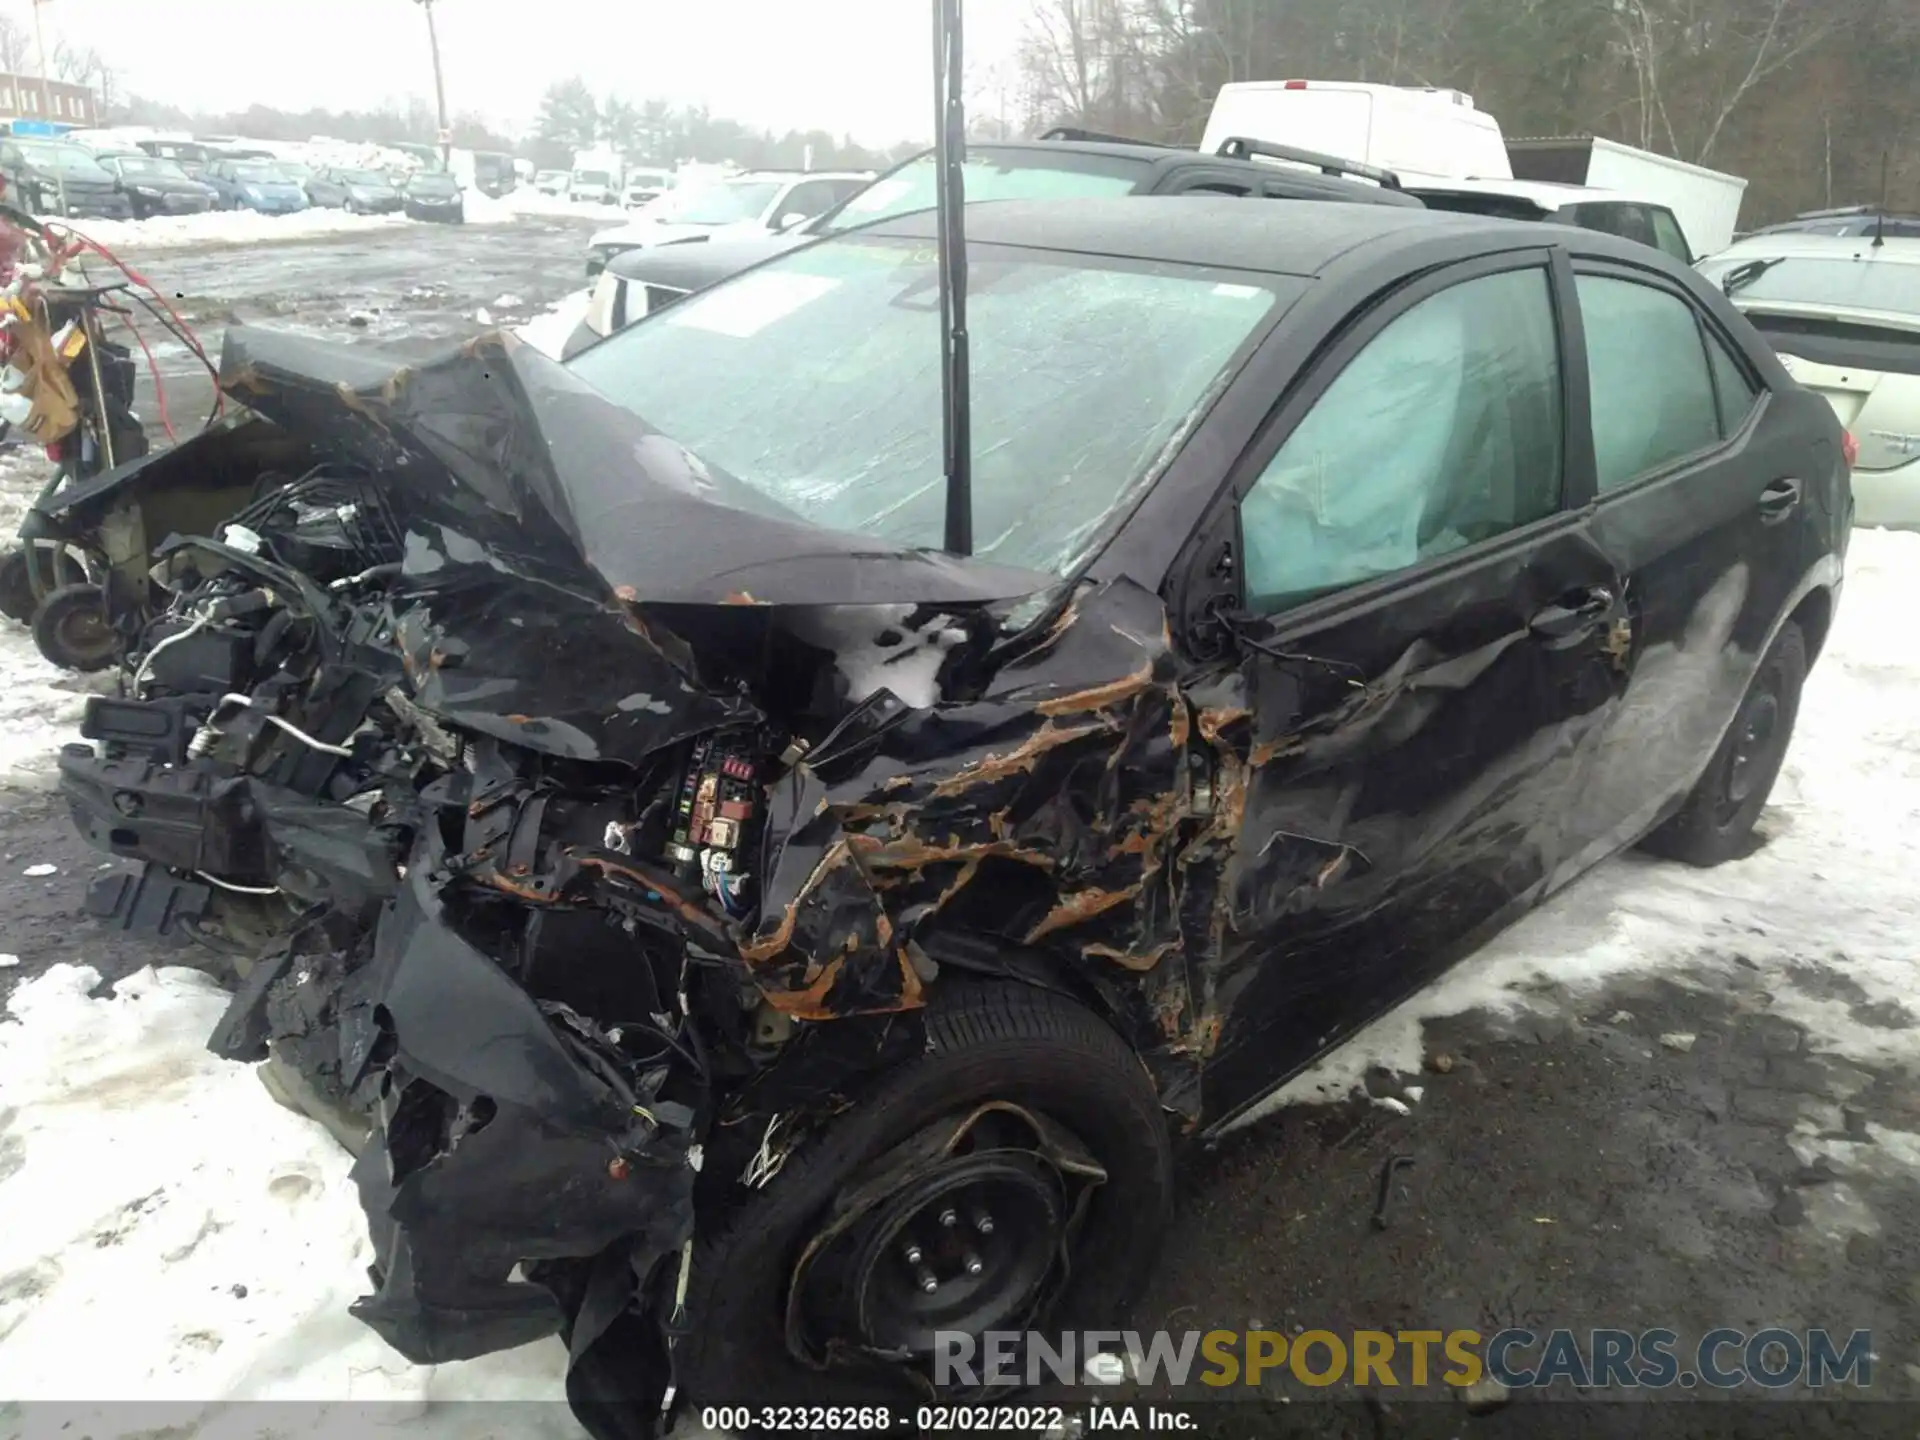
1210, 602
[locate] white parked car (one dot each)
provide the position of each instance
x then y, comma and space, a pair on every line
643, 187
592, 187
1843, 313
758, 202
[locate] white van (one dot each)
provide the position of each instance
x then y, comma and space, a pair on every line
1415, 132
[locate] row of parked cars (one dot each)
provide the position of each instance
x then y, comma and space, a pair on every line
174, 177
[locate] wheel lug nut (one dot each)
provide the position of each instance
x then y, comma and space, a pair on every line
983, 1222
974, 1263
928, 1284
912, 1254
949, 1217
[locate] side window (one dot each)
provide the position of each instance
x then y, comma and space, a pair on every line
1652, 394
1205, 183
1731, 387
1609, 217
1443, 431
1668, 235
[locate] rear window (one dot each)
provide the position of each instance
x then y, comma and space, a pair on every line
1852, 283
912, 186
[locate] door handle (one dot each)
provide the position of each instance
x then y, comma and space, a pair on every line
1575, 614
1779, 500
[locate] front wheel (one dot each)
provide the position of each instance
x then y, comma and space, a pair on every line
1017, 1176
72, 630
1716, 822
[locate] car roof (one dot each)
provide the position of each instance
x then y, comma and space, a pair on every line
1225, 232
1805, 245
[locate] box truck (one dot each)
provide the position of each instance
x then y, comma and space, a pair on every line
1706, 202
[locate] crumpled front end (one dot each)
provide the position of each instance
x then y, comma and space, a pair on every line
576, 823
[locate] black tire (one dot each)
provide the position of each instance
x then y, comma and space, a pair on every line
985, 1042
1716, 823
71, 629
16, 585
16, 588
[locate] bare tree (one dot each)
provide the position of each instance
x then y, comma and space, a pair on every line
16, 45
85, 66
1703, 59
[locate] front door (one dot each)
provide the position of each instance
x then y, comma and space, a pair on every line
1428, 650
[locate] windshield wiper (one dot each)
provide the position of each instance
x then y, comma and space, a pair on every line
1741, 276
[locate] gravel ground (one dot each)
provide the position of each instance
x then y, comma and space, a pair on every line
1638, 1156
414, 290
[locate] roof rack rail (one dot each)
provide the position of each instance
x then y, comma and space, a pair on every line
1241, 147
1070, 132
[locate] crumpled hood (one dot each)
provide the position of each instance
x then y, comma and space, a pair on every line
500, 446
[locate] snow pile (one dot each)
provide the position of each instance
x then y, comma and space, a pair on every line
174, 1235
231, 227
548, 332
249, 227
1835, 879
40, 704
525, 202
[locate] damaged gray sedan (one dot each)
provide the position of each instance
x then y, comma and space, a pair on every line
748, 941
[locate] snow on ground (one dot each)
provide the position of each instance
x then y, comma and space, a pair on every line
173, 1235
40, 704
145, 1183
549, 331
248, 227
230, 227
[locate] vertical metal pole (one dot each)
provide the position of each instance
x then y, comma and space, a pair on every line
950, 141
46, 93
439, 90
40, 42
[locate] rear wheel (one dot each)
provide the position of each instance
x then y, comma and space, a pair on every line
1716, 823
16, 585
1017, 1176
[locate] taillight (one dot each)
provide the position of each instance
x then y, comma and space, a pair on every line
1294, 85
1849, 448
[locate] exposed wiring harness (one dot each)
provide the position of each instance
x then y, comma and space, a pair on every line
169, 318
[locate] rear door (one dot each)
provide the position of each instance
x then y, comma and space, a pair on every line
1425, 660
1706, 500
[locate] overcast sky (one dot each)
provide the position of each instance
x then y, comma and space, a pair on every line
859, 66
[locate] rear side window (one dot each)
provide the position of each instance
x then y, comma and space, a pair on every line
1443, 431
1668, 235
1731, 387
1653, 397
